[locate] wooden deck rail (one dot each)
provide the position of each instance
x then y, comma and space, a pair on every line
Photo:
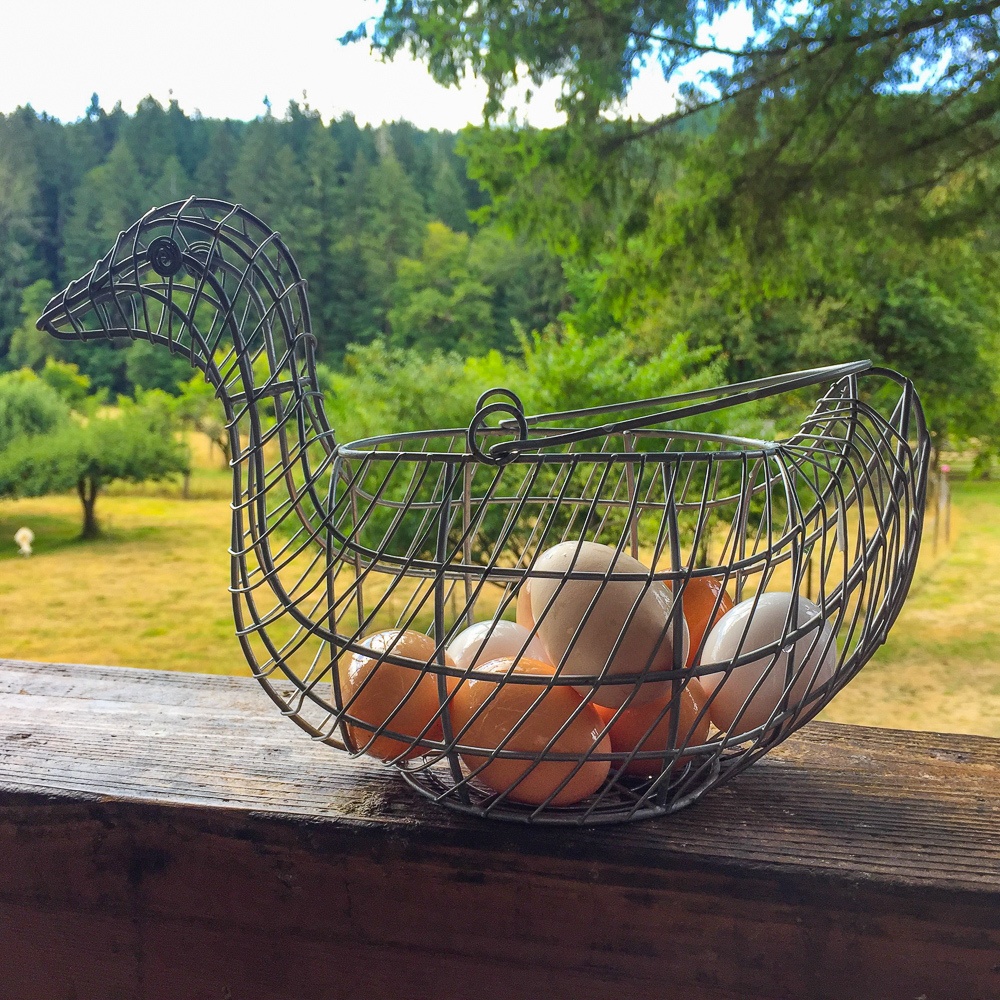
171, 836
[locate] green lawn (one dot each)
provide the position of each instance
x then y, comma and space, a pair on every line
940, 668
153, 593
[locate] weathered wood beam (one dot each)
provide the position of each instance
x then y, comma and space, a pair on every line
171, 836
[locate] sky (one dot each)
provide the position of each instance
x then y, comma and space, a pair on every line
222, 57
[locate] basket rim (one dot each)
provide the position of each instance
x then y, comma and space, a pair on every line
541, 449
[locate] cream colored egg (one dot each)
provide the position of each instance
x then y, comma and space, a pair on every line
808, 662
491, 640
523, 614
580, 620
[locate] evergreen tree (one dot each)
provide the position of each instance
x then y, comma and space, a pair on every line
149, 135
110, 198
438, 301
393, 228
318, 231
212, 173
446, 197
172, 184
19, 233
352, 300
29, 346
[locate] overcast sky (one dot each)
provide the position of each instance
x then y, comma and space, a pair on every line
222, 57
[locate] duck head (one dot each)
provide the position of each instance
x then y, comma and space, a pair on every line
190, 276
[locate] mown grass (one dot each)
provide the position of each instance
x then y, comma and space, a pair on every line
940, 668
153, 592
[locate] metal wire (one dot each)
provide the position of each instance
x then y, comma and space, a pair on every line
813, 537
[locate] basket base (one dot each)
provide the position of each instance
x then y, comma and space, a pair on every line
617, 802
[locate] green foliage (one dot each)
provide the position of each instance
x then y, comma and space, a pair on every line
70, 384
110, 198
439, 302
28, 407
385, 389
350, 202
826, 191
151, 367
19, 236
822, 96
29, 346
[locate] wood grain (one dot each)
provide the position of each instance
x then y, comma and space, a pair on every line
171, 836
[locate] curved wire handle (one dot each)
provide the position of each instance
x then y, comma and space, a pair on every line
714, 399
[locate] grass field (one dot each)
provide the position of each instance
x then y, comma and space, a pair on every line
153, 593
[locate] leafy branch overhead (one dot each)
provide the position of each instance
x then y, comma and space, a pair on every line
903, 93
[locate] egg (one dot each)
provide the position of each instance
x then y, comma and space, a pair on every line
530, 716
702, 598
402, 698
646, 728
561, 607
486, 641
745, 628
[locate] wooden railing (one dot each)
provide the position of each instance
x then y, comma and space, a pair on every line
171, 836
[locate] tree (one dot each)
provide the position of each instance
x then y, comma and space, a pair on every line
820, 179
18, 223
135, 447
819, 95
71, 386
173, 183
438, 301
149, 135
446, 197
393, 222
212, 174
110, 198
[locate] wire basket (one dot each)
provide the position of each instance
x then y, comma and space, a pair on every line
579, 617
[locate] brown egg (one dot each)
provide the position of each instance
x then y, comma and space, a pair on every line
399, 696
580, 621
642, 728
703, 597
548, 711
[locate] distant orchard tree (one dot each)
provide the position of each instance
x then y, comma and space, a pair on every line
132, 447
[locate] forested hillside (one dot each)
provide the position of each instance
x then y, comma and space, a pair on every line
378, 221
767, 240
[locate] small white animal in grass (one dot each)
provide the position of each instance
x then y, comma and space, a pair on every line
24, 537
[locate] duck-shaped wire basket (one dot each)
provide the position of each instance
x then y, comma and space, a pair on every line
579, 617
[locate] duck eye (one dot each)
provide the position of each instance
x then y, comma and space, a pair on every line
164, 256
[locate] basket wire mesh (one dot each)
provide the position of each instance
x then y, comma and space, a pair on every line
582, 543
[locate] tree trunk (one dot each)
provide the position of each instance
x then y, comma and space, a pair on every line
88, 488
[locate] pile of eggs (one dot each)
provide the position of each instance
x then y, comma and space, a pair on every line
568, 679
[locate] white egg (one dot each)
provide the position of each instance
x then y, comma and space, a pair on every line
487, 641
581, 637
812, 660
